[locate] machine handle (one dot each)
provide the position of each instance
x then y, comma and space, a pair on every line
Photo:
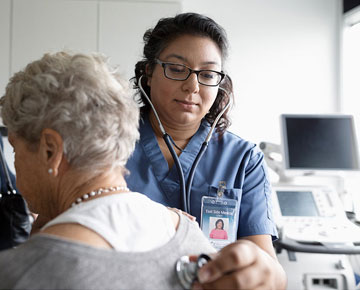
304, 247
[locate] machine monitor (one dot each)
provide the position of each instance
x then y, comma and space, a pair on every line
319, 142
297, 203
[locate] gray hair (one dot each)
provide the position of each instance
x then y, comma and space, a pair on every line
81, 97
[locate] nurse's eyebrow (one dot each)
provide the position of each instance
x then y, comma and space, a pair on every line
184, 59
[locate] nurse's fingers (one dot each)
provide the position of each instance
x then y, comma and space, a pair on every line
247, 278
179, 211
232, 258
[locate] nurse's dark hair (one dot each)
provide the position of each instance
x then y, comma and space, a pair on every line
158, 38
222, 223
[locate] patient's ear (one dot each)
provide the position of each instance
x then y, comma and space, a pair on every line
51, 149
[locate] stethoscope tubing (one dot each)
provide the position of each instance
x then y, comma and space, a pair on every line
185, 191
180, 172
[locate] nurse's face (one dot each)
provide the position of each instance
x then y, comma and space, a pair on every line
184, 103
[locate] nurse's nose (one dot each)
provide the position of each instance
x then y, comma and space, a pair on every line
191, 85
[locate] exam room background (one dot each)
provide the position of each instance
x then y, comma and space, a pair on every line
285, 55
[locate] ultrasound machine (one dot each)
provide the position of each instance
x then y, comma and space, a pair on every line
316, 237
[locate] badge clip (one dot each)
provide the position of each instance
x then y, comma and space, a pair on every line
221, 188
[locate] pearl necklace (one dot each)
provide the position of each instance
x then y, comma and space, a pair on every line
99, 192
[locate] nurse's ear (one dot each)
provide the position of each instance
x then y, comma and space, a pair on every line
148, 74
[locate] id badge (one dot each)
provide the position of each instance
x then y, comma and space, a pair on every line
219, 220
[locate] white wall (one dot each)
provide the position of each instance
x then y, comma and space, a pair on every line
4, 43
122, 25
40, 26
33, 27
351, 63
284, 59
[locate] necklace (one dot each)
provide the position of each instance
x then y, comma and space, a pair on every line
99, 192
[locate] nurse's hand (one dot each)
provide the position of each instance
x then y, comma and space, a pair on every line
179, 211
242, 265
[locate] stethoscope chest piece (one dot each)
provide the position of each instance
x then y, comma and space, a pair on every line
186, 270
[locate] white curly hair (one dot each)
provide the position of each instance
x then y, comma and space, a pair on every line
84, 99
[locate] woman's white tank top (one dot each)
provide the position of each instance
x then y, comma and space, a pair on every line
130, 221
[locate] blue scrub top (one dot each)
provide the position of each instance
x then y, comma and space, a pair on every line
231, 159
3, 185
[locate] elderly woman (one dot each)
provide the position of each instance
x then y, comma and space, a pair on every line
73, 125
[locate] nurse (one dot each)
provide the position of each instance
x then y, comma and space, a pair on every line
183, 73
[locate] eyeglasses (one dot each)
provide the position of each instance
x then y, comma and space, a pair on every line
180, 72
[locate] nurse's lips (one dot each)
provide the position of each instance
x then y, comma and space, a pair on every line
186, 105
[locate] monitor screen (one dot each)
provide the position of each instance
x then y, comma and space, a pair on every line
319, 142
297, 203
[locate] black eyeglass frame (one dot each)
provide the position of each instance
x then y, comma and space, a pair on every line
197, 72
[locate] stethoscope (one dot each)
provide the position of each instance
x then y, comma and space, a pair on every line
185, 191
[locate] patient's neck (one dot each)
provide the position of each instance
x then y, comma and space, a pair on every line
75, 185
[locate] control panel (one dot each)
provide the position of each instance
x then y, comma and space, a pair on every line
313, 215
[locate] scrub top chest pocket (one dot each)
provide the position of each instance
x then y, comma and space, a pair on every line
219, 216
